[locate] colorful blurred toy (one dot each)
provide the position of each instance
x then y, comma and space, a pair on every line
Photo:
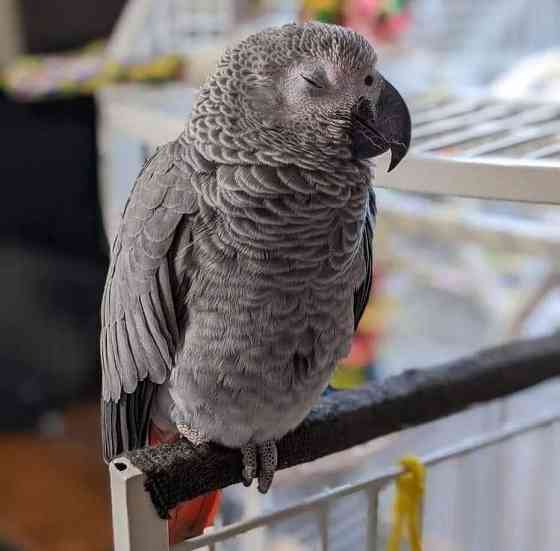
377, 20
327, 11
80, 72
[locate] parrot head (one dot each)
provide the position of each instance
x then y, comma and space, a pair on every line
305, 94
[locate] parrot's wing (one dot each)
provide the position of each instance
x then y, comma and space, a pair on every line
361, 295
139, 327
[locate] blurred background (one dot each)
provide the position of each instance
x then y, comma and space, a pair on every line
89, 89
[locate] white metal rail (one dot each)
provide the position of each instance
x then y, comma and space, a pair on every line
138, 528
485, 148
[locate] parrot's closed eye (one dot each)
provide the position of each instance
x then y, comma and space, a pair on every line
310, 81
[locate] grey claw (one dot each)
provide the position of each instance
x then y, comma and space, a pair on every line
265, 482
268, 459
248, 476
249, 457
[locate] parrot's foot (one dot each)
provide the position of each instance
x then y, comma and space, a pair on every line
262, 458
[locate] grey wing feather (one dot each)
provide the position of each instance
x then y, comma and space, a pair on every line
139, 329
361, 295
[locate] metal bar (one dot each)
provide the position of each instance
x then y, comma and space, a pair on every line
545, 151
424, 104
475, 443
440, 112
136, 526
550, 536
483, 130
372, 493
323, 515
306, 505
212, 545
523, 236
523, 136
462, 120
535, 115
488, 178
466, 447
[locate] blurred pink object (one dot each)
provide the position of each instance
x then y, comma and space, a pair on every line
377, 20
360, 16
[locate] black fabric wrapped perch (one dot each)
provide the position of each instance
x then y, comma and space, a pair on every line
175, 472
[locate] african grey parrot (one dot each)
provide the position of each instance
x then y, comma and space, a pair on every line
243, 262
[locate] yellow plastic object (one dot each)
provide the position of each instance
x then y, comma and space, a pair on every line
344, 377
160, 68
321, 4
408, 504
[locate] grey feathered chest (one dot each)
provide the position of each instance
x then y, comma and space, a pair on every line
244, 260
272, 271
233, 290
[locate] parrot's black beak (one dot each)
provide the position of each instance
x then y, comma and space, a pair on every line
380, 127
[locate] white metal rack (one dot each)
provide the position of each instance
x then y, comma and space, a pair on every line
138, 528
150, 28
485, 148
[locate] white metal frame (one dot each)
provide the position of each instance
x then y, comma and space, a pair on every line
148, 27
489, 178
137, 527
483, 170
